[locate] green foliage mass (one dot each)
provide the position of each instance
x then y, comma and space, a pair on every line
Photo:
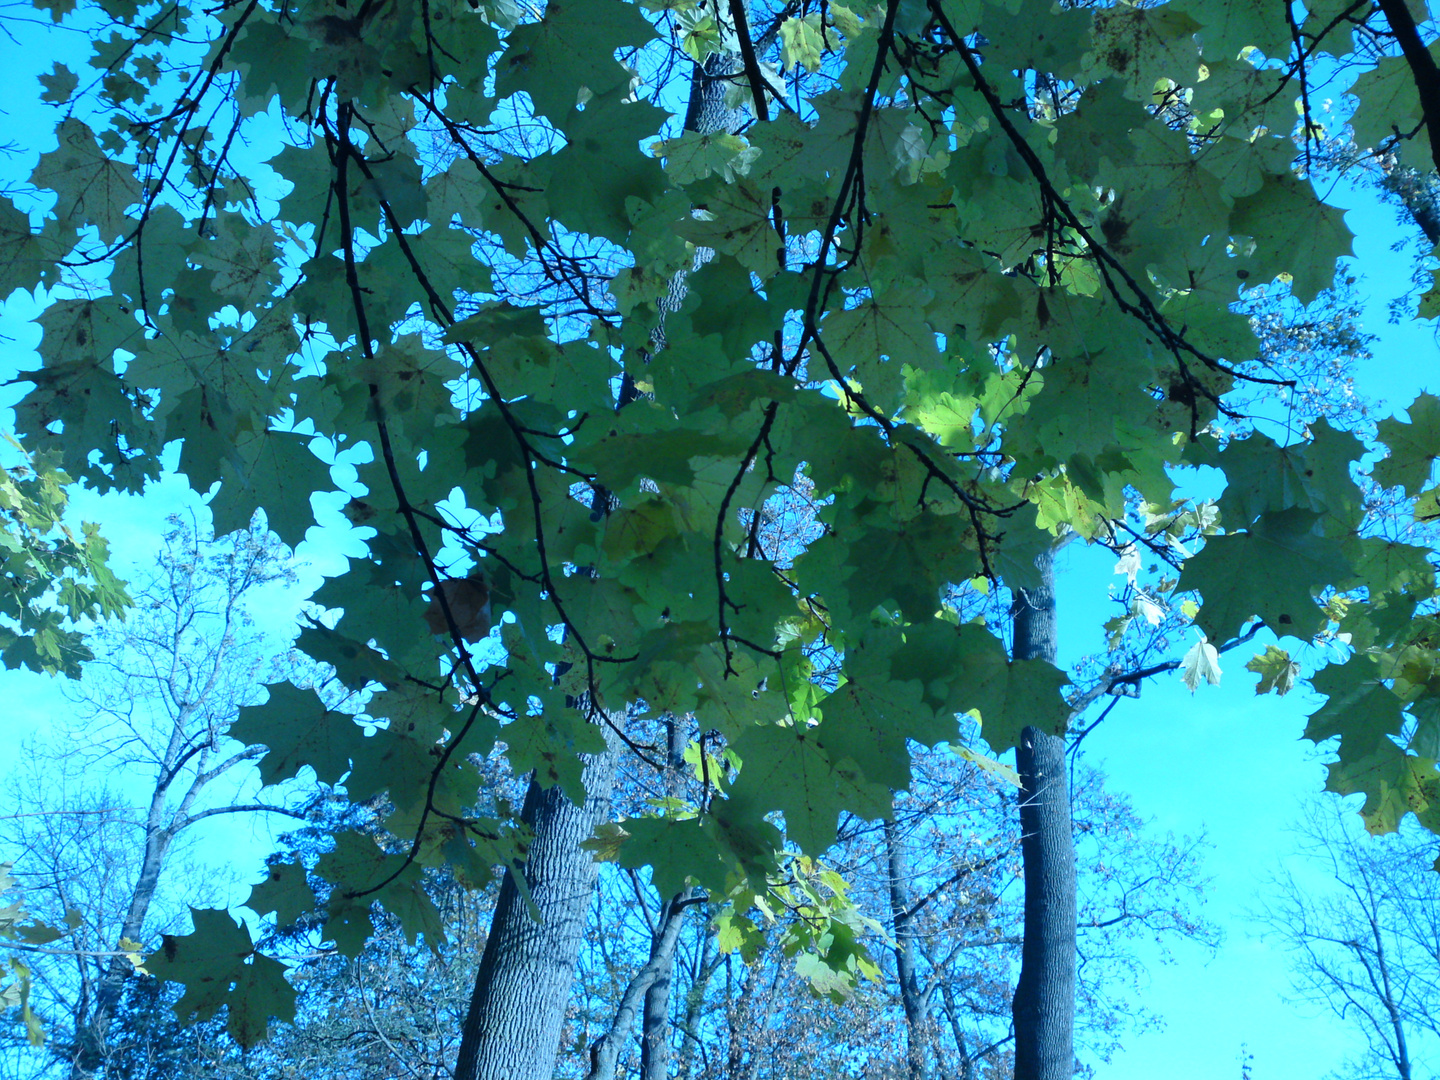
965, 292
50, 579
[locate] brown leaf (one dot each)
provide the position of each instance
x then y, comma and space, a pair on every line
468, 599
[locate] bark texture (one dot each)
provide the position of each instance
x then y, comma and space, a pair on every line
516, 1016
517, 1010
1044, 1004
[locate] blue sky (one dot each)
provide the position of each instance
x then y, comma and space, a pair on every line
1234, 765
1222, 761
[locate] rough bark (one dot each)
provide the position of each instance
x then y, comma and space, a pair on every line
707, 112
513, 1027
517, 1010
1044, 1004
655, 1023
912, 997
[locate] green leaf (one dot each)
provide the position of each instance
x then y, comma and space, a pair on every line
1413, 446
802, 42
1276, 670
1273, 570
27, 258
285, 891
1015, 301
273, 469
1295, 234
572, 49
1140, 45
218, 965
364, 875
676, 851
89, 184
1227, 29
693, 156
787, 769
549, 745
59, 85
1389, 116
298, 731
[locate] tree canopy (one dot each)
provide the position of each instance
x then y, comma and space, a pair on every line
964, 288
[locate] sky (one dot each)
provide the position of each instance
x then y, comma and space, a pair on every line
1234, 765
1222, 761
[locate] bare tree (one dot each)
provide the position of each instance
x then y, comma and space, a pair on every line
1368, 945
144, 758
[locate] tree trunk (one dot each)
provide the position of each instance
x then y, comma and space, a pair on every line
1401, 1053
917, 1019
655, 1024
513, 1028
517, 1011
706, 964
605, 1053
642, 995
1044, 1004
655, 1020
92, 1032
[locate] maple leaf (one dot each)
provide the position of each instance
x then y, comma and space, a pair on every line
1201, 664
218, 964
1273, 570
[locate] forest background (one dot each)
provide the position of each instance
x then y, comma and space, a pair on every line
1142, 747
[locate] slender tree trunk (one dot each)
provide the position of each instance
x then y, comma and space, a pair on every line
962, 1047
92, 1031
517, 1011
1401, 1053
1044, 1002
605, 1054
642, 995
917, 1018
655, 1021
706, 965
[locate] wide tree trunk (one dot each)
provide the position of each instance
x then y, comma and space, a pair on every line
517, 1011
1044, 1004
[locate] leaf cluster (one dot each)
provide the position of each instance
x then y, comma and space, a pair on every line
967, 291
